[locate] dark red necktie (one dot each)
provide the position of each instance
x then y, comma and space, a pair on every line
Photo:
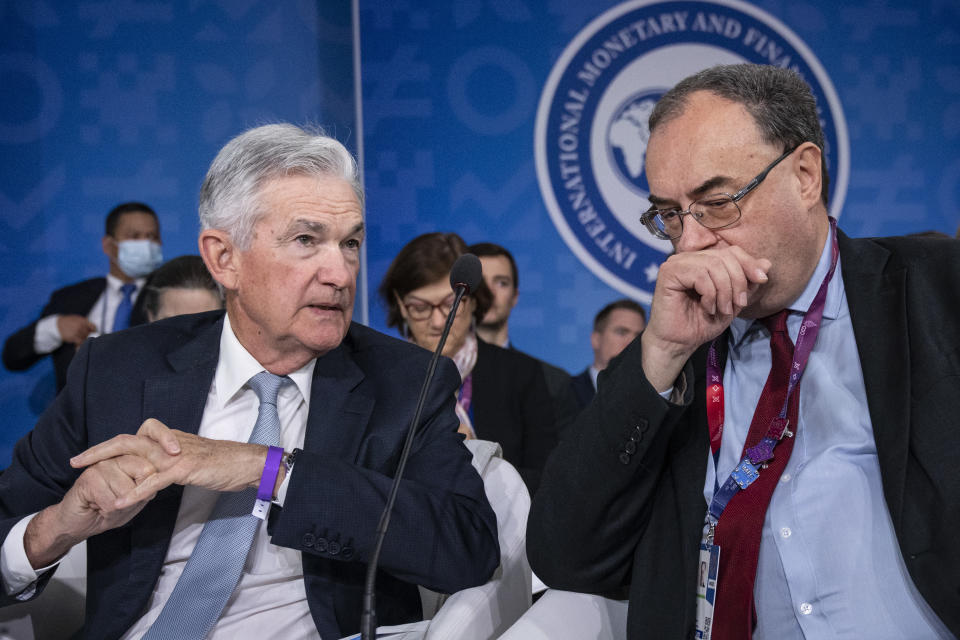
739, 531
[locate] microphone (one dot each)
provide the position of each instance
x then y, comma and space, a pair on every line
466, 272
465, 276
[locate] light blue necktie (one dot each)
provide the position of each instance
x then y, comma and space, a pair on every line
214, 567
121, 320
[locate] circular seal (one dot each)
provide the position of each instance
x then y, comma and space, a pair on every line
591, 131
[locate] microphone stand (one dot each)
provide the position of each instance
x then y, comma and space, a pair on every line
368, 620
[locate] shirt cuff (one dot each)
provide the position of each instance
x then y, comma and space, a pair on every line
282, 491
46, 335
19, 577
674, 395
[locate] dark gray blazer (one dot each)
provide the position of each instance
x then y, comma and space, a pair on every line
605, 518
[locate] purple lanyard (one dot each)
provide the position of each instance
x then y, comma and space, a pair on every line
746, 471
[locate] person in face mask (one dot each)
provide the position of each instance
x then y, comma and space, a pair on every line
97, 306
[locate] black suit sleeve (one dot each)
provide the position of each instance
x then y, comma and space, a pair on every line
443, 533
18, 351
599, 485
76, 299
40, 473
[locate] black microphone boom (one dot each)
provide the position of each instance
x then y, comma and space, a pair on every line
465, 277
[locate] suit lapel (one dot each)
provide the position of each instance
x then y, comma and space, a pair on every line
876, 295
339, 412
178, 400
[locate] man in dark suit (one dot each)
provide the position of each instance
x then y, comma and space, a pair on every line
848, 530
158, 420
614, 327
512, 406
132, 244
503, 280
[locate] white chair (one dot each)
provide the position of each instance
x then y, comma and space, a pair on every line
485, 612
564, 615
56, 613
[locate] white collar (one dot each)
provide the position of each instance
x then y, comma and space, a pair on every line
114, 283
237, 366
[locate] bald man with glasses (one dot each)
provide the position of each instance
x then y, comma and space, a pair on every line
775, 455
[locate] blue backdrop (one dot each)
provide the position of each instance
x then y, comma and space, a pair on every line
105, 102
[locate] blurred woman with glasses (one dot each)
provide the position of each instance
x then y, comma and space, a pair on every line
504, 395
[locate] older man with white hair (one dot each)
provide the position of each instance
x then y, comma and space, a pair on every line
228, 471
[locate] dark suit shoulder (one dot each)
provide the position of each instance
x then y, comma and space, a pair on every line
93, 285
77, 298
152, 343
505, 359
904, 251
385, 357
365, 342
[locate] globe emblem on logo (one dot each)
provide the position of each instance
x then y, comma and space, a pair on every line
591, 131
627, 137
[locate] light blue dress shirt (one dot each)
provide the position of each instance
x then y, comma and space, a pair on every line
829, 564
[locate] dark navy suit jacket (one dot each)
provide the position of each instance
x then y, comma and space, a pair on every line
443, 534
75, 299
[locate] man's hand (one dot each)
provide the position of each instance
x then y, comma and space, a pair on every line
74, 329
698, 294
175, 457
88, 508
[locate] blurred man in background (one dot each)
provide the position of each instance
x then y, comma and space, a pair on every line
97, 306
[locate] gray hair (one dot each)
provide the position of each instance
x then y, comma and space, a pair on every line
229, 197
779, 100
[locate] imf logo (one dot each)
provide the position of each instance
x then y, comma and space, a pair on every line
627, 136
591, 130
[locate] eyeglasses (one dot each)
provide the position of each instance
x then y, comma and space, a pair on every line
716, 211
421, 309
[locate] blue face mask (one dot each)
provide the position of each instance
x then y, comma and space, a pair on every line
137, 258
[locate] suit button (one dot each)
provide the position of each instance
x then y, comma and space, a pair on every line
333, 548
630, 447
625, 458
346, 553
321, 545
636, 436
308, 540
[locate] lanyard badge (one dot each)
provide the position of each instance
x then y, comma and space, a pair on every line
755, 457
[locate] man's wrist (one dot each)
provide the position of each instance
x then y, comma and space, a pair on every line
662, 365
45, 541
259, 459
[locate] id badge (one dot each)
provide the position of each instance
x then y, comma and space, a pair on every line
706, 588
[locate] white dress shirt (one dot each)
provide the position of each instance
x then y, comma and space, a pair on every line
46, 335
270, 600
